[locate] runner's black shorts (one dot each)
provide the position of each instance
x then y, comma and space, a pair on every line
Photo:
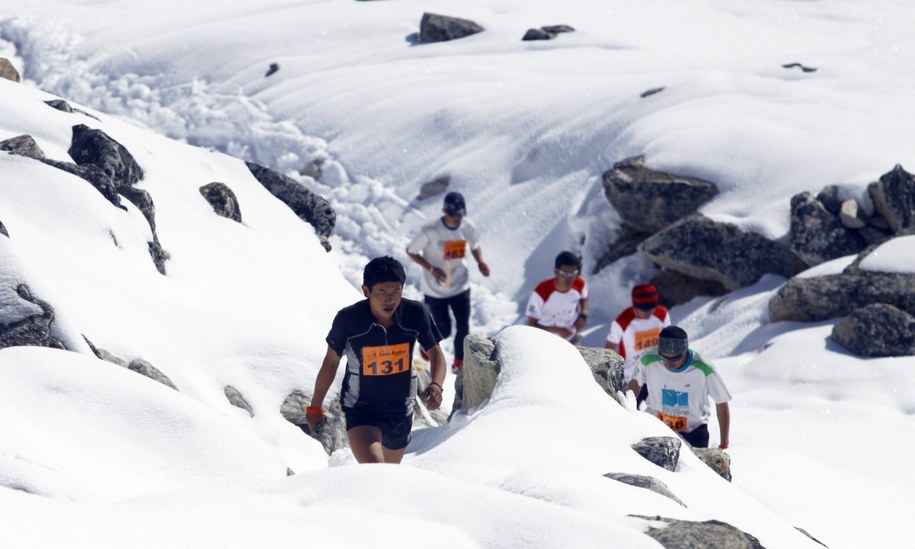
395, 428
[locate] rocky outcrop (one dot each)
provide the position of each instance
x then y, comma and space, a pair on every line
25, 320
63, 106
548, 32
894, 198
236, 399
606, 367
717, 460
815, 299
676, 288
646, 482
662, 451
818, 235
650, 200
627, 243
701, 248
8, 71
22, 145
688, 534
308, 206
441, 28
877, 330
144, 368
332, 435
222, 200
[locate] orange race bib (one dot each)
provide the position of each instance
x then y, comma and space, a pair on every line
455, 249
646, 339
676, 423
386, 360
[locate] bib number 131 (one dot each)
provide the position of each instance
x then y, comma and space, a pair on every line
386, 360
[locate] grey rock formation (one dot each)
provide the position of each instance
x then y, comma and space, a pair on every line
222, 199
104, 354
894, 198
440, 28
701, 248
662, 451
94, 147
718, 460
675, 288
537, 34
820, 298
3, 230
829, 198
479, 374
144, 368
687, 534
22, 145
25, 320
236, 399
332, 435
434, 187
63, 106
627, 242
606, 367
557, 29
877, 330
642, 481
818, 235
8, 71
308, 206
650, 200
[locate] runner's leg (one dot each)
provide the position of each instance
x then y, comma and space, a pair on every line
439, 309
365, 442
460, 304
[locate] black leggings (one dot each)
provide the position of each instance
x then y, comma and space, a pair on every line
698, 437
460, 305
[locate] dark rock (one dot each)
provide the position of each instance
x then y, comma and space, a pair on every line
650, 200
3, 230
819, 298
222, 199
701, 248
158, 254
830, 199
308, 206
606, 367
662, 451
434, 187
332, 435
441, 28
144, 368
718, 460
675, 288
642, 481
537, 34
627, 241
799, 66
95, 147
22, 145
26, 320
237, 399
817, 235
557, 29
272, 69
688, 534
102, 354
8, 71
877, 330
894, 198
650, 92
60, 105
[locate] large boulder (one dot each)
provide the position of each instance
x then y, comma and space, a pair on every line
627, 243
8, 71
877, 330
441, 28
701, 248
25, 320
94, 147
646, 482
675, 288
818, 235
662, 451
687, 534
308, 206
222, 200
894, 198
22, 145
814, 299
650, 200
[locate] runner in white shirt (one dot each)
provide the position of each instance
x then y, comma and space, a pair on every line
559, 305
440, 249
680, 383
635, 331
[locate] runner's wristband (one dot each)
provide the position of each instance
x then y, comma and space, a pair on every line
310, 410
440, 388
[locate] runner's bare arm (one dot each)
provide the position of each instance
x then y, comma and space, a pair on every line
438, 273
322, 384
478, 255
432, 395
724, 423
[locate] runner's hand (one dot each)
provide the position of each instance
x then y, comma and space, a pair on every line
432, 396
723, 446
315, 420
439, 274
484, 268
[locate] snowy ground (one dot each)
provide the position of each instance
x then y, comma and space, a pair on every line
525, 130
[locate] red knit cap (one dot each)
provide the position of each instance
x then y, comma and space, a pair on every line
644, 296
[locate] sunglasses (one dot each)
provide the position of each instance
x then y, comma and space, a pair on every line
567, 274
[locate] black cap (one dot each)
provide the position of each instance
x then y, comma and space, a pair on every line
673, 341
454, 204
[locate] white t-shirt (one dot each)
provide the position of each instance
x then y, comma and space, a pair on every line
679, 398
636, 336
445, 248
550, 307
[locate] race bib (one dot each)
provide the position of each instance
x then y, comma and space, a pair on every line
386, 360
646, 339
676, 423
455, 249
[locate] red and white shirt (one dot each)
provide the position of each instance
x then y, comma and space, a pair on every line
635, 336
551, 307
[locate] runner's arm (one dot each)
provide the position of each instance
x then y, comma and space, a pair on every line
432, 395
582, 315
724, 423
478, 255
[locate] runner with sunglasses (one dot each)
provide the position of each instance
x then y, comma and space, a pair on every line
559, 305
680, 383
